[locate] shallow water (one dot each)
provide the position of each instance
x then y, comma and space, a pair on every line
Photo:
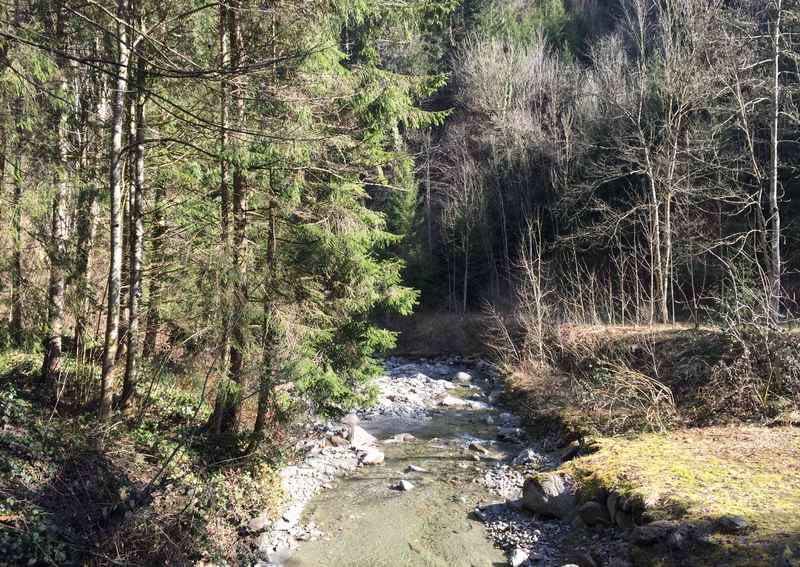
367, 523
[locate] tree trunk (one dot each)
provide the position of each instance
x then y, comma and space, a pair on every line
465, 283
215, 422
57, 250
16, 229
269, 339
115, 189
659, 273
154, 295
229, 399
666, 282
136, 237
773, 212
88, 209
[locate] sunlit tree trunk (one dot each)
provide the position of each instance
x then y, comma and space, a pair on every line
773, 212
221, 401
269, 332
57, 250
115, 190
135, 236
229, 398
16, 230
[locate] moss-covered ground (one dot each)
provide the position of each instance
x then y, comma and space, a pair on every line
701, 475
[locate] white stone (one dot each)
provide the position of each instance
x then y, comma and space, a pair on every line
372, 456
463, 377
518, 557
359, 438
404, 486
452, 402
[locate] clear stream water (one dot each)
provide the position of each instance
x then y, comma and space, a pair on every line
368, 523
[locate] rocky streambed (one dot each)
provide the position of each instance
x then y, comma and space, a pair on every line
431, 476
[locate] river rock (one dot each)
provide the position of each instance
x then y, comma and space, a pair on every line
416, 469
583, 559
654, 532
452, 402
594, 514
372, 456
401, 438
338, 441
478, 448
360, 438
463, 377
517, 557
512, 434
527, 457
548, 494
404, 486
259, 523
733, 524
351, 420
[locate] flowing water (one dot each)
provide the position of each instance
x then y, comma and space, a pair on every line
369, 523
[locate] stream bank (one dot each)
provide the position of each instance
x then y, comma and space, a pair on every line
446, 491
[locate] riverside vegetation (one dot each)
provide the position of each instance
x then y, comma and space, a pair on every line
218, 218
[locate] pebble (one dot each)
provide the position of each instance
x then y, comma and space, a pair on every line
404, 486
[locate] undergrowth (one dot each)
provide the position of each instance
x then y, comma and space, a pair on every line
606, 381
157, 493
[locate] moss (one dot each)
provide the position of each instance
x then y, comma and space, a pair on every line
702, 474
461, 392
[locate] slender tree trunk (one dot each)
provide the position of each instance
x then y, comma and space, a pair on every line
773, 212
229, 417
659, 275
136, 237
269, 338
115, 189
428, 203
666, 282
154, 294
88, 209
465, 284
223, 284
127, 195
16, 229
57, 249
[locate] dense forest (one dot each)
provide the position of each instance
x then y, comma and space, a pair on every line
209, 211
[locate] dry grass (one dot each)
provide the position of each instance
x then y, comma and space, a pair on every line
680, 417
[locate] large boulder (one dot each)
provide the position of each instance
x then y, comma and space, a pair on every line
350, 420
549, 494
655, 532
462, 377
452, 402
594, 514
359, 438
517, 557
372, 456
